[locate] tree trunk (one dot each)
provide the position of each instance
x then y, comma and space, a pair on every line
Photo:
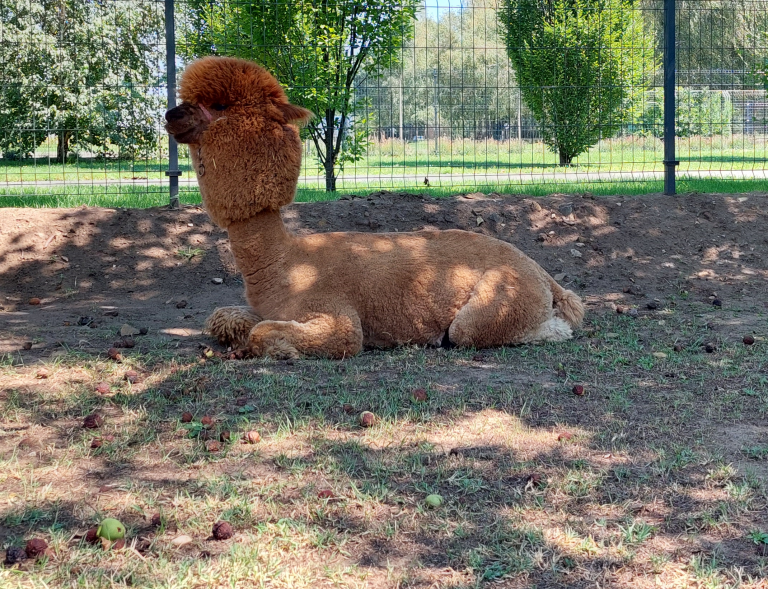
330, 177
62, 146
565, 159
330, 154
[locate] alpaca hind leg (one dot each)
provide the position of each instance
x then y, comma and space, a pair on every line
231, 325
328, 336
505, 308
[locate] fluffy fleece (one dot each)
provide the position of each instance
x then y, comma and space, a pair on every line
333, 294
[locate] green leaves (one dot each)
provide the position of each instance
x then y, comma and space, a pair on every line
83, 70
579, 63
320, 51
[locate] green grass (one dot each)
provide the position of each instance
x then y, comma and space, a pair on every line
154, 196
459, 156
635, 496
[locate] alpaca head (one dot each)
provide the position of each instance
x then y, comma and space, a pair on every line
237, 121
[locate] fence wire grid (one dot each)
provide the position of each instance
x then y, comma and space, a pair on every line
460, 95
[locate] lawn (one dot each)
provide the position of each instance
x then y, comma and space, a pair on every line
389, 160
157, 195
539, 486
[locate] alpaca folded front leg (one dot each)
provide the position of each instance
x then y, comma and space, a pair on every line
231, 325
327, 336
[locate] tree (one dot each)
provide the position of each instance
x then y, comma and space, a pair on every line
458, 61
579, 64
320, 51
82, 70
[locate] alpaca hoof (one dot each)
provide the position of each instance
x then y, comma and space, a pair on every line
281, 350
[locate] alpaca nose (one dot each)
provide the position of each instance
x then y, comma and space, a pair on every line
175, 114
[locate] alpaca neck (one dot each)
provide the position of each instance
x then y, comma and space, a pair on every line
259, 244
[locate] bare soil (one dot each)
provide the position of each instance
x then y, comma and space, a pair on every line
142, 263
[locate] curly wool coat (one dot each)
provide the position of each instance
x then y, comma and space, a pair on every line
332, 294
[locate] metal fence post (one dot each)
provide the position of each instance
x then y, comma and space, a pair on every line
173, 172
670, 163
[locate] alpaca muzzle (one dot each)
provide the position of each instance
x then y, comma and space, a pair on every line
186, 123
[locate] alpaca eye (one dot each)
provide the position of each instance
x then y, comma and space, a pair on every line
219, 107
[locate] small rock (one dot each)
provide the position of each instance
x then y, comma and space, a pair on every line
480, 221
222, 531
128, 330
182, 540
217, 280
560, 277
576, 253
633, 312
565, 209
85, 320
181, 305
93, 421
535, 206
659, 355
653, 305
252, 437
34, 301
717, 303
143, 331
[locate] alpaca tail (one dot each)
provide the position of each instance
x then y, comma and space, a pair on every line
567, 304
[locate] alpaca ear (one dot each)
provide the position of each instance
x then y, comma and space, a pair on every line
293, 113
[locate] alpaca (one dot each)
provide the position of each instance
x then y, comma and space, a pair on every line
333, 294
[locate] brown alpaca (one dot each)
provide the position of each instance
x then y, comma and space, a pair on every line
334, 294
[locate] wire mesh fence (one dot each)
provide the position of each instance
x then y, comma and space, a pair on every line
458, 94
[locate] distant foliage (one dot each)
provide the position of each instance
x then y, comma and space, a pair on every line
701, 112
580, 65
82, 71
